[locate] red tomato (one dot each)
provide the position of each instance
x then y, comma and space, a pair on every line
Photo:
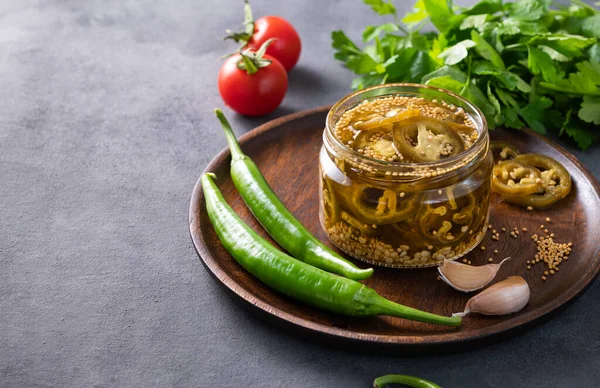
252, 94
287, 46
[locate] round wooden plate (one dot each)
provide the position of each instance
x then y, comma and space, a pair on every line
286, 151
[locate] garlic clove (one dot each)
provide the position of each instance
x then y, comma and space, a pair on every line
505, 297
467, 278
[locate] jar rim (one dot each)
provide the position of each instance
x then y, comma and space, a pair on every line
480, 122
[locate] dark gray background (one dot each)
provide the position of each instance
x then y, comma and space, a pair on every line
105, 124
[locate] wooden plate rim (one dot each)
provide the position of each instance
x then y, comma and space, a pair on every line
196, 206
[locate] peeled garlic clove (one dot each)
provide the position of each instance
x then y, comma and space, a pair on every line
466, 278
505, 297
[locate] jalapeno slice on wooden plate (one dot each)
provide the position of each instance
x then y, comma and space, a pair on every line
556, 182
503, 150
512, 177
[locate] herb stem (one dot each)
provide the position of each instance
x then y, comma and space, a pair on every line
584, 5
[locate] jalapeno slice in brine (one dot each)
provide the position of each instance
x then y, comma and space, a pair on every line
381, 207
331, 207
385, 121
425, 139
443, 223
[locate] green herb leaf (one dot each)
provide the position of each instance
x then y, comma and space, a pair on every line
364, 64
529, 10
540, 63
441, 14
584, 137
590, 109
381, 7
372, 32
568, 45
474, 21
485, 7
417, 15
365, 81
450, 71
591, 26
345, 48
486, 50
446, 82
454, 54
533, 114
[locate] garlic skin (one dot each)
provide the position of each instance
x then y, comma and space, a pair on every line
467, 278
505, 297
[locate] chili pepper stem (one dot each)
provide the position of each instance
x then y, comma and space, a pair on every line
234, 146
411, 381
383, 306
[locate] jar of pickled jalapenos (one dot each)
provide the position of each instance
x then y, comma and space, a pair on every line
405, 174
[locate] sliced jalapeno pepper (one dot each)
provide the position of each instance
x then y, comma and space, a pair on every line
378, 207
441, 224
512, 177
556, 182
383, 121
354, 222
425, 139
331, 207
503, 150
378, 144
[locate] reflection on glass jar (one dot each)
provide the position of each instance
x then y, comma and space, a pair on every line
405, 175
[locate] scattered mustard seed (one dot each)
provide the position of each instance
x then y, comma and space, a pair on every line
543, 278
482, 248
529, 208
547, 219
524, 229
495, 251
490, 259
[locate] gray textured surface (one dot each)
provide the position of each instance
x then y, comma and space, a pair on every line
105, 124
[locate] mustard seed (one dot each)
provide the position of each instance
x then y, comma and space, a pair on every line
547, 219
543, 278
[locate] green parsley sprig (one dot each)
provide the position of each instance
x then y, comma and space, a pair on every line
525, 63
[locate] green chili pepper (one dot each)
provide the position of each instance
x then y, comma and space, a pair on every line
277, 219
296, 279
411, 381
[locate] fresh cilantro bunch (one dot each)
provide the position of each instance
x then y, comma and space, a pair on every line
525, 63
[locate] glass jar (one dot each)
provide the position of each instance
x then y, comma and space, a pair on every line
399, 214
